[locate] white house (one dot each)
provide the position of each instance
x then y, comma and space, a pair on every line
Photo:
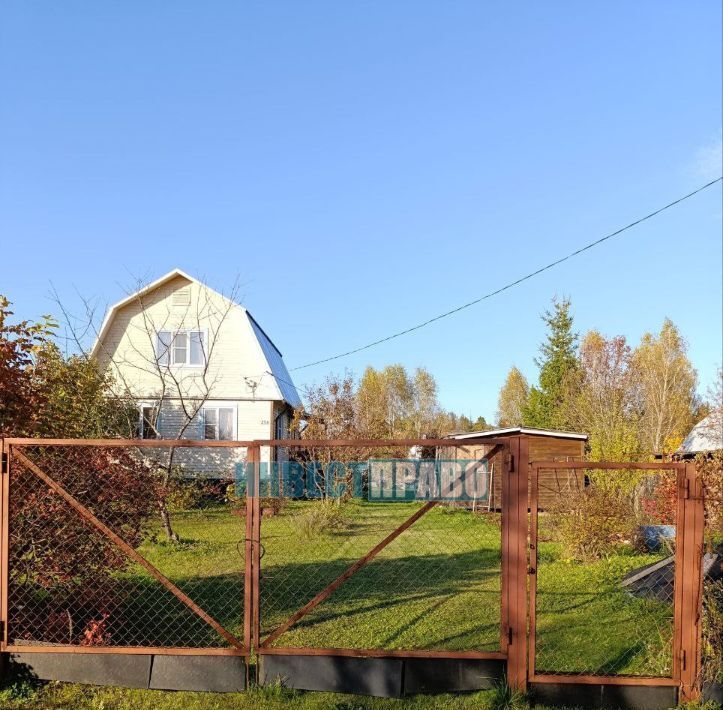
199, 366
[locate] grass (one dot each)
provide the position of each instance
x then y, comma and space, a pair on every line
60, 695
587, 623
436, 586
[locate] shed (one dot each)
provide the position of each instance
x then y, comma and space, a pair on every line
704, 438
544, 444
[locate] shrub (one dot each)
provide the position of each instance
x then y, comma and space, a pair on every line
62, 586
591, 522
713, 631
188, 494
660, 503
711, 471
321, 518
274, 504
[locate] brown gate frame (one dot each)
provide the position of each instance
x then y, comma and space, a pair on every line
11, 451
688, 580
513, 610
513, 627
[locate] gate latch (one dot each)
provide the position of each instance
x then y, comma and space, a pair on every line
4, 463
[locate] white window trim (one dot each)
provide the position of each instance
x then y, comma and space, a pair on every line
141, 406
171, 350
217, 406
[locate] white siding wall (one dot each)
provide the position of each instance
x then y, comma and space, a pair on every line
252, 420
237, 367
236, 374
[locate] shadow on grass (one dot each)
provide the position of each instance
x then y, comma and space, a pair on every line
382, 586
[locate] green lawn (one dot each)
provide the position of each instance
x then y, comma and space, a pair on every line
586, 623
54, 696
436, 586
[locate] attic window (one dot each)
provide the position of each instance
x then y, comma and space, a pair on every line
182, 347
182, 297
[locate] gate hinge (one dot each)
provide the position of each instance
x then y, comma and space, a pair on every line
510, 459
686, 490
682, 659
4, 463
509, 635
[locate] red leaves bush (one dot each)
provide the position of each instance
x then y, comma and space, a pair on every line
64, 583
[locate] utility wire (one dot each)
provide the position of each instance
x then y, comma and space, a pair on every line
509, 285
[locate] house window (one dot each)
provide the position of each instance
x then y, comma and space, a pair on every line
281, 429
163, 347
182, 347
197, 354
218, 423
149, 422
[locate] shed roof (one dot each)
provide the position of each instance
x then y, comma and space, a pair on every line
706, 435
512, 431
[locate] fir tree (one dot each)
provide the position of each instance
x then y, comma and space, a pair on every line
557, 362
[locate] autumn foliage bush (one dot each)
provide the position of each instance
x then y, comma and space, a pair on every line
711, 471
592, 521
63, 577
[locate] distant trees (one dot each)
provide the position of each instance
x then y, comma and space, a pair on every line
667, 383
390, 403
513, 399
633, 402
602, 398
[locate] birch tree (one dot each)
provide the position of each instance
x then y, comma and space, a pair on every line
512, 399
667, 382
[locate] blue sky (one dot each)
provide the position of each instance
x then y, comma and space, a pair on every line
362, 166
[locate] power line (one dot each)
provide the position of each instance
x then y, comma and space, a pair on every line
509, 285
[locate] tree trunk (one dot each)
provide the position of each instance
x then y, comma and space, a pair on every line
166, 520
162, 501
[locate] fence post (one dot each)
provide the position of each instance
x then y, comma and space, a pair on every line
256, 554
689, 636
4, 541
514, 559
252, 538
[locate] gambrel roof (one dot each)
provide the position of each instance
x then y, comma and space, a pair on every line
271, 371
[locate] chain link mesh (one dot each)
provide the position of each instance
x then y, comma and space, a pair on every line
435, 586
69, 583
606, 572
711, 470
605, 568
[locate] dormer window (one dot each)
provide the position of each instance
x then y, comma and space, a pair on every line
181, 347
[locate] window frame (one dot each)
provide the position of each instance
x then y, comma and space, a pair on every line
167, 358
217, 408
142, 419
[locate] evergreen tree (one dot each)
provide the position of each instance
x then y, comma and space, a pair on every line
557, 362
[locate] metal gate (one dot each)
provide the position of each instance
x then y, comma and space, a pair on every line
404, 583
587, 573
615, 578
